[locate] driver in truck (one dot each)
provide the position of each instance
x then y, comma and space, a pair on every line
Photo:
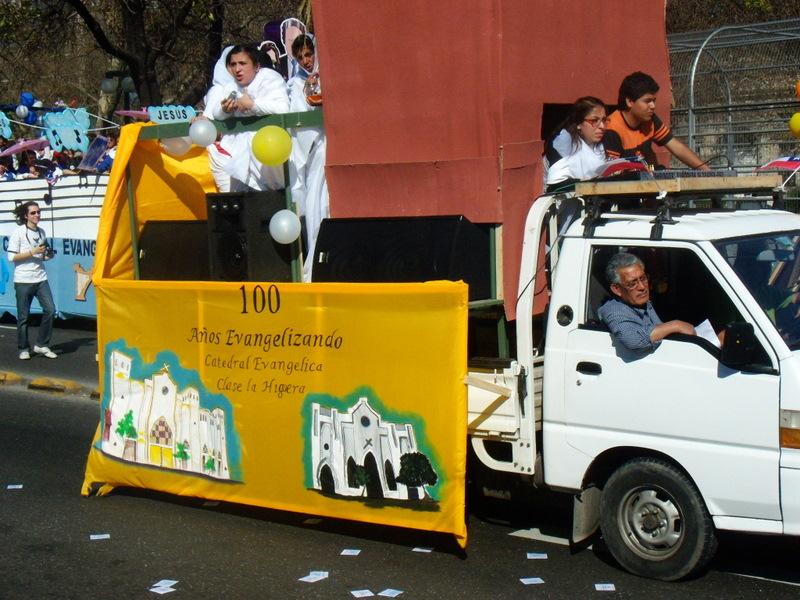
630, 316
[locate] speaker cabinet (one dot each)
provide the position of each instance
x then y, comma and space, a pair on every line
174, 251
405, 249
240, 247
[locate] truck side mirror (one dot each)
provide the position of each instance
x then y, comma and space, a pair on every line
740, 347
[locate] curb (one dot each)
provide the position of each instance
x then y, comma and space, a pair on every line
48, 384
7, 378
54, 385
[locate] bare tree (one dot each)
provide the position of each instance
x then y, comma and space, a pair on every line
145, 37
696, 15
168, 47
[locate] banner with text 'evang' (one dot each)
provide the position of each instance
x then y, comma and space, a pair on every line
343, 400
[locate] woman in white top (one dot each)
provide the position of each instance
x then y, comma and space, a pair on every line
250, 91
576, 152
27, 250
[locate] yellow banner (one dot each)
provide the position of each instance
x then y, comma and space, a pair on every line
342, 400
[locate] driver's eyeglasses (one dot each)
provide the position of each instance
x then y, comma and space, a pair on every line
634, 283
33, 212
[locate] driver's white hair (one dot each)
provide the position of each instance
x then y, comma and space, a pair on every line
619, 261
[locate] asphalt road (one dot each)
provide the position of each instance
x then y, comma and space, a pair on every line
73, 340
227, 550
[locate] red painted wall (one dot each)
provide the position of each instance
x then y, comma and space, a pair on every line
435, 108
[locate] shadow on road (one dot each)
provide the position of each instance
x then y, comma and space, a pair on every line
367, 531
73, 345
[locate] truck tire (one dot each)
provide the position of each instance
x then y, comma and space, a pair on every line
655, 522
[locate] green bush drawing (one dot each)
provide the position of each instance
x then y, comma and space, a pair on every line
125, 426
416, 471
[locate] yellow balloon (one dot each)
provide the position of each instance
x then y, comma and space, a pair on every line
272, 145
794, 124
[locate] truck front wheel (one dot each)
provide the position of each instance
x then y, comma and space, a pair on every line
654, 521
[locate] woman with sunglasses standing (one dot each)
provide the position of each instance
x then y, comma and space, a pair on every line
27, 250
576, 152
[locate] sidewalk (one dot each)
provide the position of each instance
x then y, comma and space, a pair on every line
75, 369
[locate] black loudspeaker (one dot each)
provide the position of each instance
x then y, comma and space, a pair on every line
240, 247
405, 249
174, 251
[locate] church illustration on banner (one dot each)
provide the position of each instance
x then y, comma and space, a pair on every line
358, 453
151, 422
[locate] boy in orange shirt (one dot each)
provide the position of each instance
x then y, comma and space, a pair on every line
634, 126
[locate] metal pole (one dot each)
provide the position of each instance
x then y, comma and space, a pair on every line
728, 109
692, 72
134, 227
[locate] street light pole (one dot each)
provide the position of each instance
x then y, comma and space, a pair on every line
120, 83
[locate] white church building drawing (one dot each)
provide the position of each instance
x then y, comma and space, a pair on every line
359, 437
170, 430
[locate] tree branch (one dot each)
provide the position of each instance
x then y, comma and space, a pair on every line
169, 37
99, 34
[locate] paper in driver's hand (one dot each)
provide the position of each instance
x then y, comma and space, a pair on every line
706, 331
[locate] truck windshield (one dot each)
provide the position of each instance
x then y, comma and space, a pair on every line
769, 265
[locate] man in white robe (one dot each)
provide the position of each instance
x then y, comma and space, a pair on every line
247, 91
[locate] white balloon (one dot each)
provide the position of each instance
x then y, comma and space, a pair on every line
203, 133
37, 104
22, 111
177, 146
284, 226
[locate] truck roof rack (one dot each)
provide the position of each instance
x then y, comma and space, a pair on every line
681, 184
664, 191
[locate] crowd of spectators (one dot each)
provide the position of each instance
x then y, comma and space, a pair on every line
45, 163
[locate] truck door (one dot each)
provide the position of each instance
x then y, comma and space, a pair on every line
716, 422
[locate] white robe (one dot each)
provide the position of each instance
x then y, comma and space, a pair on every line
307, 172
222, 80
584, 162
268, 91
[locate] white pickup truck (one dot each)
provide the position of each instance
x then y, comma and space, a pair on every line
659, 449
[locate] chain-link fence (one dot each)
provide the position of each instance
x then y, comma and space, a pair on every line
734, 92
